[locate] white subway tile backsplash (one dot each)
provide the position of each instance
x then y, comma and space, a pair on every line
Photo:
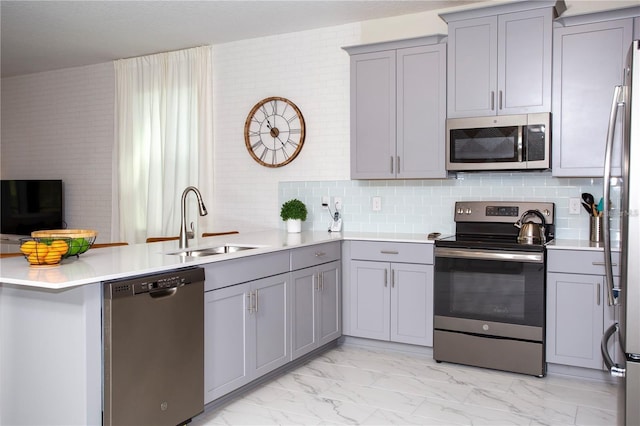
423, 206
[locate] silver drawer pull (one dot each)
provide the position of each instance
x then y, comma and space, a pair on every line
602, 264
320, 254
389, 252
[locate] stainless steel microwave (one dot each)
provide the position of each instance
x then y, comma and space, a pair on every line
504, 142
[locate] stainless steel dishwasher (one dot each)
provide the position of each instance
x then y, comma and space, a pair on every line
154, 348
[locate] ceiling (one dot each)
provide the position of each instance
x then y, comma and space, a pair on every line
47, 35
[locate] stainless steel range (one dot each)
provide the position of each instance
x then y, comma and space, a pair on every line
489, 289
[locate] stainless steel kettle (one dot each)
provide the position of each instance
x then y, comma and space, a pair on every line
531, 232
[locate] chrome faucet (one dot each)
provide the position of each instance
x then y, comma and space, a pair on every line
184, 233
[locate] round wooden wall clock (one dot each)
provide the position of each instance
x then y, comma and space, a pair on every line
274, 132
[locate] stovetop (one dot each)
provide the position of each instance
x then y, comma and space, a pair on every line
488, 243
490, 225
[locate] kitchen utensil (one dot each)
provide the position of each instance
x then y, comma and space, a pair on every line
600, 205
531, 232
588, 198
587, 207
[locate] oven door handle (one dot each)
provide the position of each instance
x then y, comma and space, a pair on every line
504, 256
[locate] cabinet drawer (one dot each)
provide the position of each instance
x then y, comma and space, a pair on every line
236, 271
392, 252
581, 262
305, 257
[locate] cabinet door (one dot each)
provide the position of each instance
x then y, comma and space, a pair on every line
373, 115
271, 315
328, 306
588, 63
524, 62
472, 67
575, 319
421, 113
226, 365
412, 304
369, 299
304, 291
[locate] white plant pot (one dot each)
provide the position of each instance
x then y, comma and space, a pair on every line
294, 225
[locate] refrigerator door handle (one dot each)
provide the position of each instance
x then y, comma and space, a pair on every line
614, 369
616, 104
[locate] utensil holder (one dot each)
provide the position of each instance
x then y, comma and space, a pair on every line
595, 229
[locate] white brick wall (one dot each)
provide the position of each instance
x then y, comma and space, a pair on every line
311, 70
59, 125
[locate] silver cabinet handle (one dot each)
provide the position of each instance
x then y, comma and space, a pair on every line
393, 278
389, 252
602, 264
386, 272
398, 164
598, 295
493, 102
253, 301
500, 99
316, 282
321, 279
320, 254
391, 158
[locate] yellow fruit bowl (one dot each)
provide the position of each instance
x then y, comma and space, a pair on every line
44, 251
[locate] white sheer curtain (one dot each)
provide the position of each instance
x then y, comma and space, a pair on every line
163, 142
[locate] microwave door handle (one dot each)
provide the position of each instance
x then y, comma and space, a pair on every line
520, 144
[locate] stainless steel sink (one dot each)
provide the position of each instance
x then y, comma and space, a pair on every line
210, 251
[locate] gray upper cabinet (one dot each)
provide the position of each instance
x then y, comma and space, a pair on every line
398, 99
500, 64
589, 61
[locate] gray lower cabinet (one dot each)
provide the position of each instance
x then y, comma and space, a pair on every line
391, 301
315, 310
398, 101
588, 62
577, 308
246, 333
247, 321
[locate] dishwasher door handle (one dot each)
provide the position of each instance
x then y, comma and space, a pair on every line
164, 293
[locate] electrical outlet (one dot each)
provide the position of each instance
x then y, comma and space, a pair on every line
574, 205
337, 202
325, 201
376, 204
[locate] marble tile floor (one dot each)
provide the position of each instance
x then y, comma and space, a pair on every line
357, 385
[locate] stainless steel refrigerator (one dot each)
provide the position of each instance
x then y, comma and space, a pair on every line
626, 104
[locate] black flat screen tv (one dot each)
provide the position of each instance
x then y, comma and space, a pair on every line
30, 205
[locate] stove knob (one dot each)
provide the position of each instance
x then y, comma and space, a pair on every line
460, 210
468, 211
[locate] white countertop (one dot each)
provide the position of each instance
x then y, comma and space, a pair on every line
560, 244
139, 259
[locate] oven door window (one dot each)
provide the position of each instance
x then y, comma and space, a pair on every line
497, 144
487, 290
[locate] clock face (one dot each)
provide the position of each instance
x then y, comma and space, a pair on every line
274, 132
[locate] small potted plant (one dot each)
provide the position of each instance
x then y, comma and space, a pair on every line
293, 212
